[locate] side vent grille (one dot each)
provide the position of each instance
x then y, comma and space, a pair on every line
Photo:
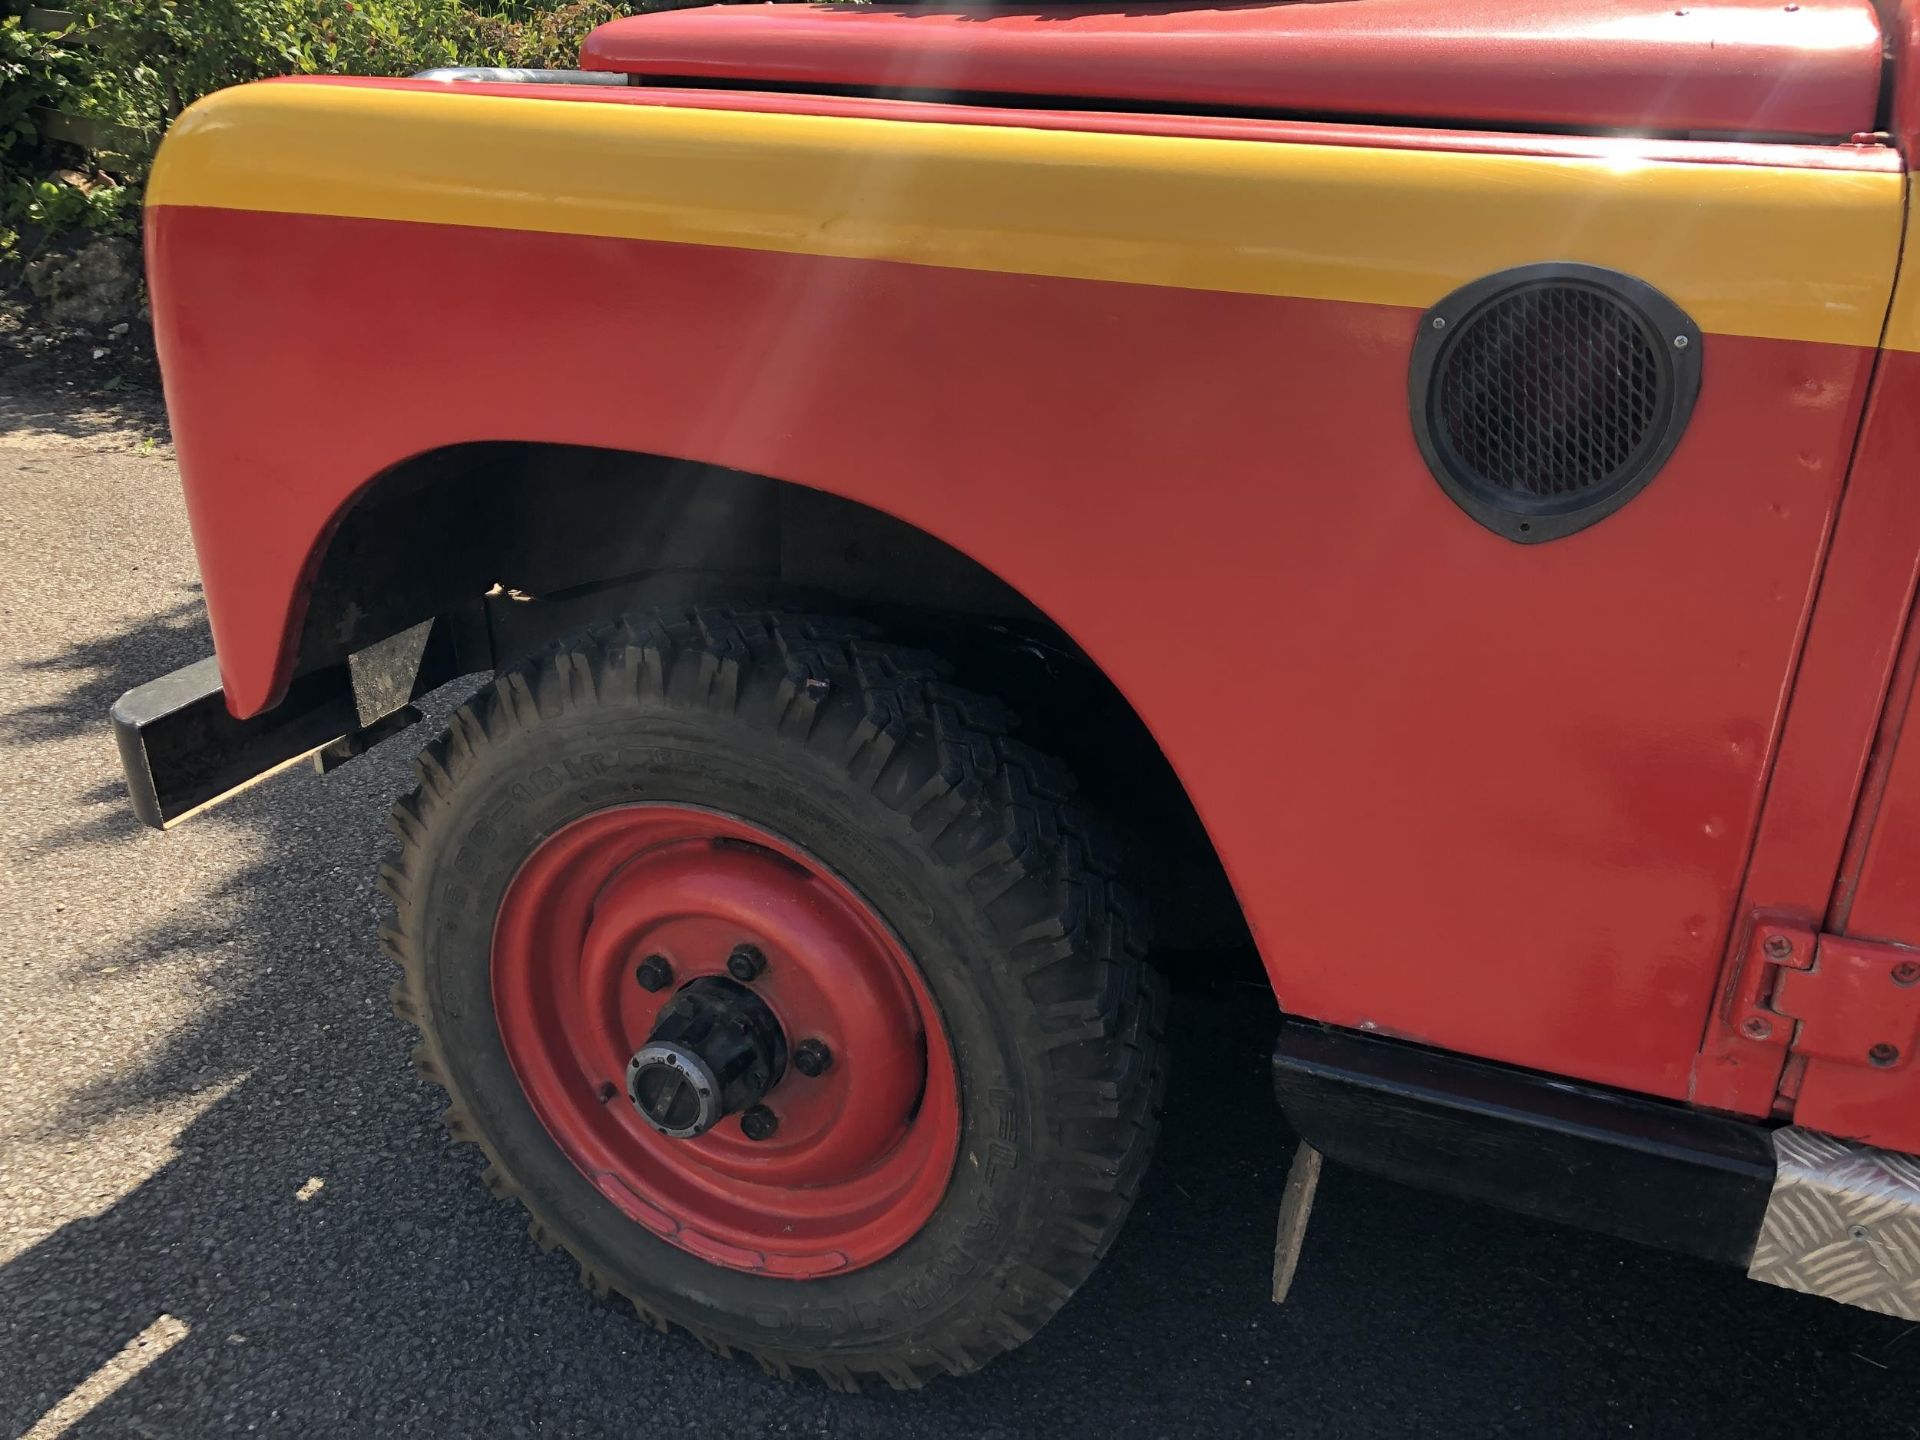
1544, 398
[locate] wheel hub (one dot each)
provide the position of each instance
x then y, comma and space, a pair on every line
714, 1051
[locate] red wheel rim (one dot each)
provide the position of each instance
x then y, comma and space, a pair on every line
863, 1151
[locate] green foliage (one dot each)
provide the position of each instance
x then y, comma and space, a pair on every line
43, 73
132, 65
57, 205
165, 55
37, 73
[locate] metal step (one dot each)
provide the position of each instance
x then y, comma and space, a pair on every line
1843, 1221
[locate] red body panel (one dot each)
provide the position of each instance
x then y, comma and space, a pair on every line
1886, 905
1843, 681
1881, 901
1749, 67
1903, 89
1316, 632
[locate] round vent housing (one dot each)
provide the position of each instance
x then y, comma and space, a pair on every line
1546, 397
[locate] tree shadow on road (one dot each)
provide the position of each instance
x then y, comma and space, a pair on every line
397, 1299
88, 418
89, 676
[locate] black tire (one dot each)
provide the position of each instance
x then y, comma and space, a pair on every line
961, 838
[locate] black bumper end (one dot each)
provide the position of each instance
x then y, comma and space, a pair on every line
182, 750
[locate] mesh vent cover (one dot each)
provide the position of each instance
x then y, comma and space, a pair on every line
1545, 398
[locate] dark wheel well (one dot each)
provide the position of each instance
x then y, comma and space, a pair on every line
527, 542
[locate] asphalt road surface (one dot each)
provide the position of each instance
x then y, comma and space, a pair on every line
227, 1206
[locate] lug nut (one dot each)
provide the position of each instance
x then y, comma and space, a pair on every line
811, 1058
745, 963
654, 974
758, 1123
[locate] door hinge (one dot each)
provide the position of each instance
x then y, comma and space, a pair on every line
1851, 1002
1844, 1016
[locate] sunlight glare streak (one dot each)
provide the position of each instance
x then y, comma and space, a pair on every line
136, 1355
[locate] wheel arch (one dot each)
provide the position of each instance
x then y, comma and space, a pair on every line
534, 540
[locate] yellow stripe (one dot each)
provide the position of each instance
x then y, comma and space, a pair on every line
1751, 250
1903, 316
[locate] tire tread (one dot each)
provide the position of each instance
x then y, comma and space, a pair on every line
999, 815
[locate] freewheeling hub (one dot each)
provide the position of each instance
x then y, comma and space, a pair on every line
715, 1051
